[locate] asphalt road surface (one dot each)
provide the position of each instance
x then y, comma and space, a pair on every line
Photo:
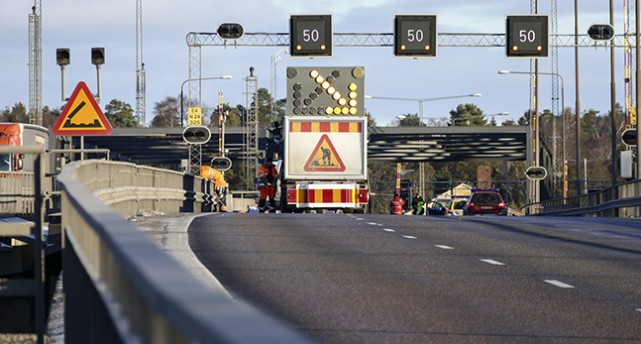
415, 279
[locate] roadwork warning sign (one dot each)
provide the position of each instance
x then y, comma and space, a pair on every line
325, 148
82, 116
324, 157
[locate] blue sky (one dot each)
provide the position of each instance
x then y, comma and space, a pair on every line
83, 24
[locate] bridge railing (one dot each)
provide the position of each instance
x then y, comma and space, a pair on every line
122, 288
620, 200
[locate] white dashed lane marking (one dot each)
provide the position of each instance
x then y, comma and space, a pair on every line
559, 284
389, 230
372, 223
492, 261
638, 310
445, 247
409, 237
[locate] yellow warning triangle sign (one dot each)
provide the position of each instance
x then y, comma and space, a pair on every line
324, 158
82, 116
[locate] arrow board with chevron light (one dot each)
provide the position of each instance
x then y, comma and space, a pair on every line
82, 116
325, 147
325, 91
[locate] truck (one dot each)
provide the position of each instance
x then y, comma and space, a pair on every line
325, 141
20, 134
16, 169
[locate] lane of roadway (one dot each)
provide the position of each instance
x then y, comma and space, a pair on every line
414, 279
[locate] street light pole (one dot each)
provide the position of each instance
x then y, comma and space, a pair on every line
563, 123
420, 101
275, 58
182, 109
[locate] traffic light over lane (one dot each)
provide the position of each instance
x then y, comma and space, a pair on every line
527, 36
310, 35
415, 35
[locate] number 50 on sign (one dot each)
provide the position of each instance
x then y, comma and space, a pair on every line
194, 116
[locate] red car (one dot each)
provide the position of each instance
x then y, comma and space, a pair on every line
485, 201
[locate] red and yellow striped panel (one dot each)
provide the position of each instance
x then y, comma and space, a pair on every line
327, 196
325, 127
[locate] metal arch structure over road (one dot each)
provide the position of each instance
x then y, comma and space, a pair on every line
158, 146
196, 40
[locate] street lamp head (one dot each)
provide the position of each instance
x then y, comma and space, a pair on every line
226, 77
477, 95
503, 71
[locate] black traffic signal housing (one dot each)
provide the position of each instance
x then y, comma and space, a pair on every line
221, 163
415, 35
196, 135
527, 36
275, 139
230, 31
536, 173
63, 57
310, 35
601, 32
98, 56
629, 137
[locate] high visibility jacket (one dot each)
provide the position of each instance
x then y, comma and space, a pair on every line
396, 206
267, 175
210, 173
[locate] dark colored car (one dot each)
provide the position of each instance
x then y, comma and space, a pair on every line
435, 208
485, 202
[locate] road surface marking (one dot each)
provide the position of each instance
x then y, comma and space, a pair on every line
559, 284
638, 309
372, 223
491, 261
360, 218
409, 237
389, 230
444, 247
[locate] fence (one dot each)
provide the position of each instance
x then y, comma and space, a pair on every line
119, 286
620, 200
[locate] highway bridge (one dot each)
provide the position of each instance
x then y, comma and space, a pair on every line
333, 277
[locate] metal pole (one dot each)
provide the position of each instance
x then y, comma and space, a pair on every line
421, 165
578, 103
536, 131
638, 77
613, 106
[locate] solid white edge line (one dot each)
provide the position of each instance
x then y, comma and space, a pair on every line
492, 261
559, 284
445, 247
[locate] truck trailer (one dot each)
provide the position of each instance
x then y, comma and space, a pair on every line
325, 140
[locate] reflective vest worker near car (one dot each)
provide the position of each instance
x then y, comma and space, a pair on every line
267, 179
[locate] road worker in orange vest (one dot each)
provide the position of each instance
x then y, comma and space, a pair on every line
221, 185
267, 179
396, 205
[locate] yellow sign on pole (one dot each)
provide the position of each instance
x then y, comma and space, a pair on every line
194, 116
633, 115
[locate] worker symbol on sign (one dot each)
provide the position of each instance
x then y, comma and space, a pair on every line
324, 158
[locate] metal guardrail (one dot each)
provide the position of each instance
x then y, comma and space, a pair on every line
621, 200
122, 288
34, 188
